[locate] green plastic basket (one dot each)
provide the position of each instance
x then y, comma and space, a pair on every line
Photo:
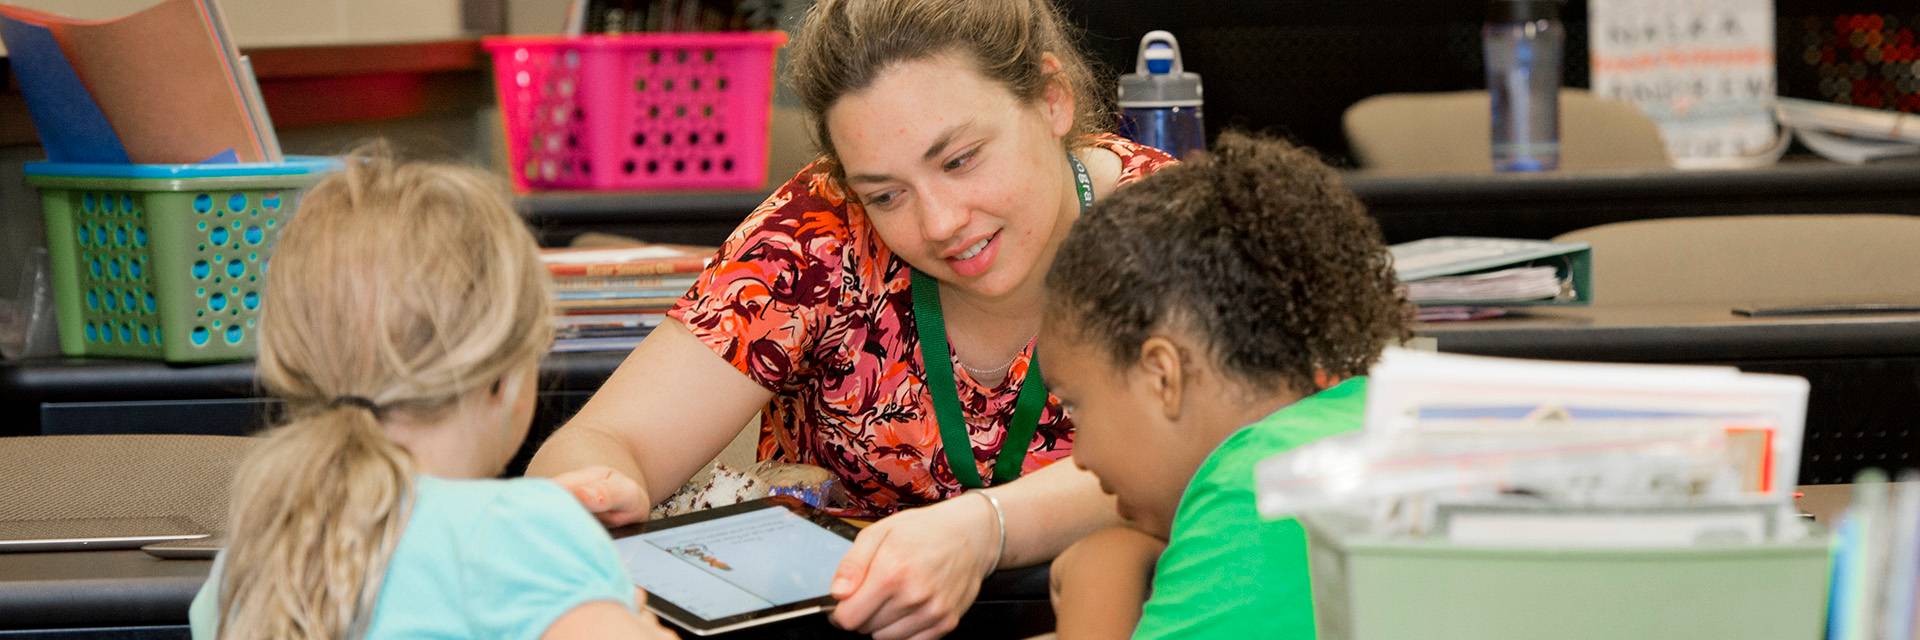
163, 268
1373, 590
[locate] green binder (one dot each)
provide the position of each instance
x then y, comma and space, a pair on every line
1429, 261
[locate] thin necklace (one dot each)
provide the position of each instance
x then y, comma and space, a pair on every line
996, 370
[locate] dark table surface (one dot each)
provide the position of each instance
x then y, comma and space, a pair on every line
1540, 206
1677, 333
1408, 206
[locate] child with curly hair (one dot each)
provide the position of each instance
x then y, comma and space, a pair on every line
1215, 314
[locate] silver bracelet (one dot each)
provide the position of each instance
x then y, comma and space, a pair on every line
1000, 520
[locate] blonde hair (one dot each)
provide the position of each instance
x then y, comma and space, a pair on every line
843, 45
408, 285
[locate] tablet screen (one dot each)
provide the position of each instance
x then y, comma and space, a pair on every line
735, 564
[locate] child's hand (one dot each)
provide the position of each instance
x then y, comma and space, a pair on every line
611, 496
1100, 583
647, 619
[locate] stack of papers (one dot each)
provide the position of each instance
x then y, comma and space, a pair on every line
1854, 135
1518, 284
1507, 452
1467, 271
165, 85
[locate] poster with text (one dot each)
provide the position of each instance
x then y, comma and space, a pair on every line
1702, 69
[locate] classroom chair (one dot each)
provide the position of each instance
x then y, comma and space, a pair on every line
119, 476
1448, 133
1755, 260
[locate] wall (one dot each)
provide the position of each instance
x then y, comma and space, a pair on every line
258, 23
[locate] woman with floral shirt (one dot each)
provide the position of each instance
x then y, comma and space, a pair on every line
881, 307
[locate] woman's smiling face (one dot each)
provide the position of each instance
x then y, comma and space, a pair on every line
961, 178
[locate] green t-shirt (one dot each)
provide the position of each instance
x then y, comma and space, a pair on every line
1227, 573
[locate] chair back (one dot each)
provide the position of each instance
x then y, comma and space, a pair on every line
1448, 133
119, 476
1768, 259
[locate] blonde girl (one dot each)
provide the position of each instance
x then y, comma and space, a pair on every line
407, 314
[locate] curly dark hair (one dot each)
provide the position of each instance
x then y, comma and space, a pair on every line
1255, 247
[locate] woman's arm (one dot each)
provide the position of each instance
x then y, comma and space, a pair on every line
912, 574
1050, 510
1100, 583
671, 406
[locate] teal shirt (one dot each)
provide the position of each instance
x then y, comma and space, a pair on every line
481, 559
1227, 573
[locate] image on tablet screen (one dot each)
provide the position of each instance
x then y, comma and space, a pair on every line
737, 564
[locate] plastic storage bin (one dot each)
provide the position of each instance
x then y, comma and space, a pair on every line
1373, 590
636, 111
164, 261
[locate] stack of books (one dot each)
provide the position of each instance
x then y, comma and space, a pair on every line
609, 299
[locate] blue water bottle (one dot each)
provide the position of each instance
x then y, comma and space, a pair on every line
1160, 100
1524, 41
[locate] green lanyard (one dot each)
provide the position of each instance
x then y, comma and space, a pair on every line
946, 396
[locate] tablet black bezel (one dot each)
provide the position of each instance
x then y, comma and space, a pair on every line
703, 626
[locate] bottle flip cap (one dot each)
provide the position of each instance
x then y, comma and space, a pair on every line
1158, 78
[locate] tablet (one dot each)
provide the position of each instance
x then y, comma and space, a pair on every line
737, 566
82, 534
194, 549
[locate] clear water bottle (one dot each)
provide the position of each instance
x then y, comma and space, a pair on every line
1160, 100
1524, 43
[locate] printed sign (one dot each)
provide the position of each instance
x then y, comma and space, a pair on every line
1702, 69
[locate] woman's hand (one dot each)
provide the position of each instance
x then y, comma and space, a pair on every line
1100, 583
912, 574
611, 496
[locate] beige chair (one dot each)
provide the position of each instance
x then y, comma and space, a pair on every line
119, 476
1448, 133
1741, 260
138, 476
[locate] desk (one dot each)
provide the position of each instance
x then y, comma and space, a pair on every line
702, 218
1865, 370
1411, 207
128, 594
1408, 207
64, 396
72, 396
99, 589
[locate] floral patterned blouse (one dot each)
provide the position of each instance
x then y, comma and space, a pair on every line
806, 300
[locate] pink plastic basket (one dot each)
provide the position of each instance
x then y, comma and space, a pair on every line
638, 111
